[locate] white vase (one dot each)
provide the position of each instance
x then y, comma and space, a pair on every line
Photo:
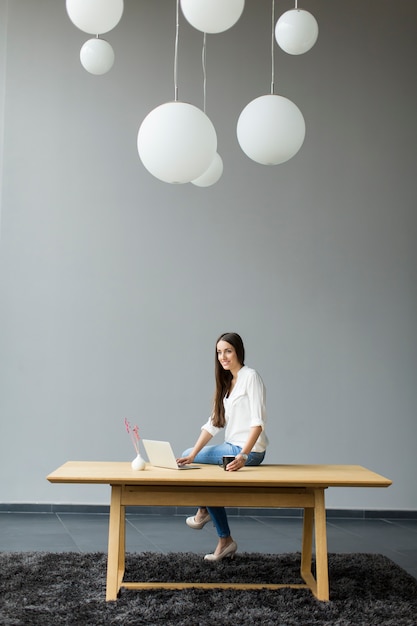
138, 463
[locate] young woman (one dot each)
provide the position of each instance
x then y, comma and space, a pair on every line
239, 408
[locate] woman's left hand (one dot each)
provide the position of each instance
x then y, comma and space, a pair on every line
236, 464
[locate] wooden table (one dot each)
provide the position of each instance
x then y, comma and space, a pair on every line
270, 486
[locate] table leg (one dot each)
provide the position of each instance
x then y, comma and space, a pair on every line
315, 517
307, 545
116, 550
322, 574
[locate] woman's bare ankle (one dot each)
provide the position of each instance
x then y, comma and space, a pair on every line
222, 544
201, 513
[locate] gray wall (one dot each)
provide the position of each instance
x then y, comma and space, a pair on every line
115, 285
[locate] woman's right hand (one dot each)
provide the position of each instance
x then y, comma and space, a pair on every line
185, 460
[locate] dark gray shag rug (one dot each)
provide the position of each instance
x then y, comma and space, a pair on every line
53, 589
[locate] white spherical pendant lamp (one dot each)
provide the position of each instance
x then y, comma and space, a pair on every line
97, 56
177, 142
271, 129
212, 174
296, 31
95, 16
212, 16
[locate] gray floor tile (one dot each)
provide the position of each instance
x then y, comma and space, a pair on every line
88, 532
34, 531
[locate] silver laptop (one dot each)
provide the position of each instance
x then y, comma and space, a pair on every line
160, 454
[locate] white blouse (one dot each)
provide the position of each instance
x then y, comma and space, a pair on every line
244, 408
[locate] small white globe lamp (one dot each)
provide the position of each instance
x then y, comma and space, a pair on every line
97, 56
212, 16
296, 31
212, 174
95, 16
177, 142
271, 129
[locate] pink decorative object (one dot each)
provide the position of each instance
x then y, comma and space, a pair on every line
134, 434
138, 463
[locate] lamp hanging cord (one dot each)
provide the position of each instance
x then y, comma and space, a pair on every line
177, 28
273, 48
203, 63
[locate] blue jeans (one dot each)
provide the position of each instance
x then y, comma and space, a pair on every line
213, 455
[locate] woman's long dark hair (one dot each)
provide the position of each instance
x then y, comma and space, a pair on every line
224, 377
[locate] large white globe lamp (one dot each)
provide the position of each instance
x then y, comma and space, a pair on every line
271, 129
95, 16
212, 16
97, 56
296, 31
177, 142
212, 174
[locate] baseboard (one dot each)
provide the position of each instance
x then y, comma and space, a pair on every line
103, 509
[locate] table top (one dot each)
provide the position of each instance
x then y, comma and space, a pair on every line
316, 476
